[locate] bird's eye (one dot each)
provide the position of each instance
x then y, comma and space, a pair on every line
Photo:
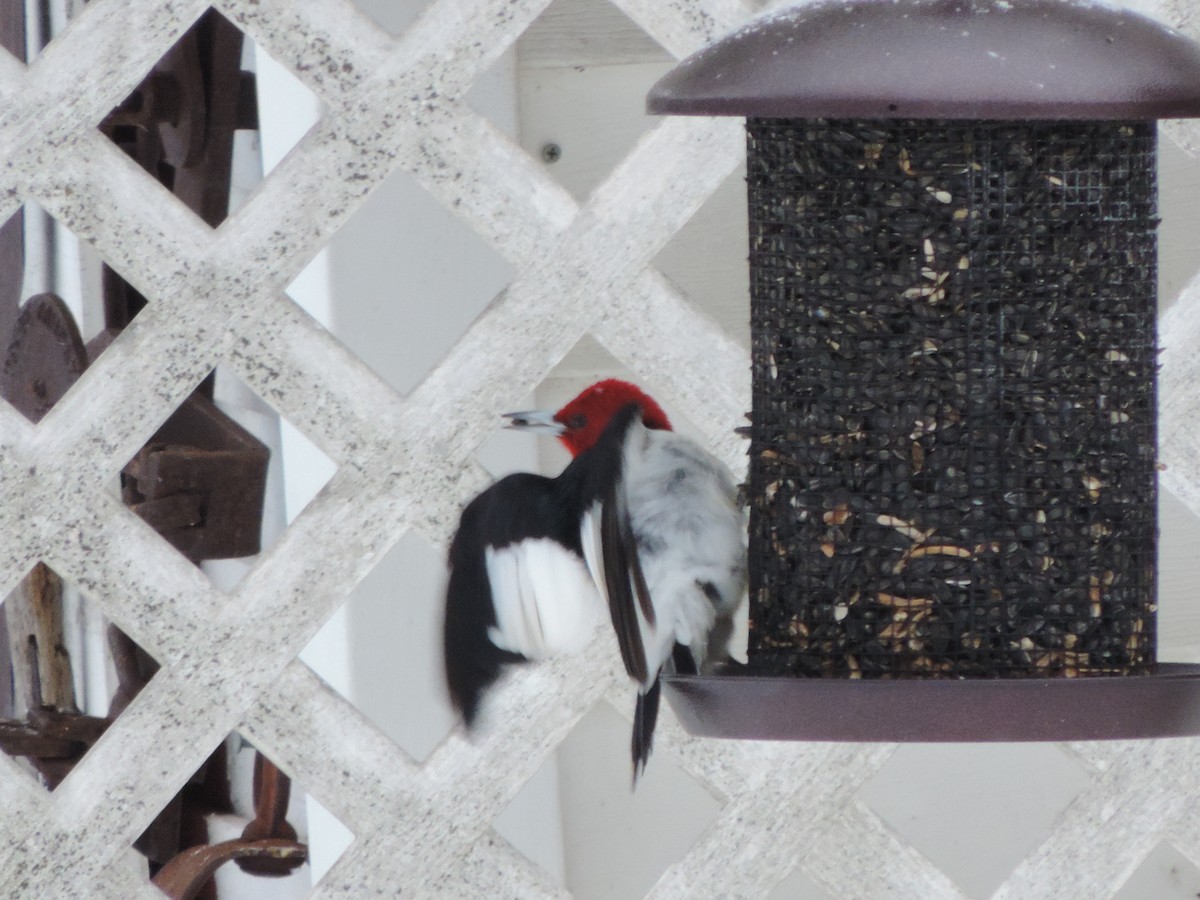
578, 422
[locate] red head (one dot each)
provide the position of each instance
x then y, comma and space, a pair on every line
584, 417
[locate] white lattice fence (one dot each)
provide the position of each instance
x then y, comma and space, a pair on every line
229, 659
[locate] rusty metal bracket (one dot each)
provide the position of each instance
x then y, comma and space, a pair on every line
21, 739
187, 873
200, 483
178, 125
44, 356
272, 791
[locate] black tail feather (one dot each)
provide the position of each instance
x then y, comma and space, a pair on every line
683, 661
645, 717
472, 662
470, 671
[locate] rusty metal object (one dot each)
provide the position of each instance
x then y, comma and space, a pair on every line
134, 667
21, 739
184, 113
178, 125
41, 666
192, 480
156, 111
69, 726
183, 821
53, 740
184, 876
200, 483
272, 790
44, 356
200, 480
203, 181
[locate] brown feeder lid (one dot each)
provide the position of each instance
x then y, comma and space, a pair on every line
946, 59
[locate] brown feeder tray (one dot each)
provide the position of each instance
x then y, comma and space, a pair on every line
752, 707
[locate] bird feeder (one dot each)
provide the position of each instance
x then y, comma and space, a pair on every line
952, 483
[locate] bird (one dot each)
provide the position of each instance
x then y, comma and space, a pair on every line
642, 527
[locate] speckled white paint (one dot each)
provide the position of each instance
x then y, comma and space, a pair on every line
229, 660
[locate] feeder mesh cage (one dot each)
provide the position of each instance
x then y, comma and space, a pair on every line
953, 463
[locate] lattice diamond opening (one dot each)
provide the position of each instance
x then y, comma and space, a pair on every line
706, 258
66, 674
1179, 181
208, 482
239, 827
799, 886
391, 16
1166, 874
667, 812
51, 323
955, 809
408, 308
558, 72
192, 122
50, 257
589, 34
394, 687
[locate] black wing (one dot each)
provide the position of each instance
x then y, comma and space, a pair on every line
609, 545
517, 507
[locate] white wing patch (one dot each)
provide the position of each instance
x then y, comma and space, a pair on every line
593, 547
545, 601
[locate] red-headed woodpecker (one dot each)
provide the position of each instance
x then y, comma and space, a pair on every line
642, 520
